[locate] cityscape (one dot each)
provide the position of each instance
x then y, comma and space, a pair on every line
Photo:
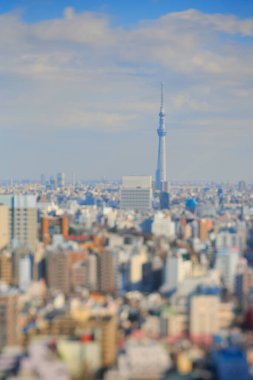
144, 271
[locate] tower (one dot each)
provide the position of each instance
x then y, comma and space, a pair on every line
161, 175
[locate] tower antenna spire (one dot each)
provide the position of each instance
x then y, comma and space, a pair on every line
161, 95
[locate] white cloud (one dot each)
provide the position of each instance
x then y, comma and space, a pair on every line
86, 28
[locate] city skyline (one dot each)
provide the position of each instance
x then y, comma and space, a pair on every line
80, 88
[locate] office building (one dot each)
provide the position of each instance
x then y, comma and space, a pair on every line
45, 235
59, 271
226, 263
137, 260
42, 179
25, 269
107, 272
61, 180
204, 317
22, 219
8, 318
164, 200
51, 184
93, 271
163, 225
73, 180
136, 193
25, 221
205, 225
80, 274
242, 186
177, 268
6, 268
4, 226
22, 267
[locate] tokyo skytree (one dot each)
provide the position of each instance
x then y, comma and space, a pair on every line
161, 174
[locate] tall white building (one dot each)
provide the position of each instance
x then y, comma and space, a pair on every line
136, 193
25, 271
136, 262
204, 316
163, 225
22, 219
226, 263
176, 270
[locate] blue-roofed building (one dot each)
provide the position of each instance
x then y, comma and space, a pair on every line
230, 364
191, 204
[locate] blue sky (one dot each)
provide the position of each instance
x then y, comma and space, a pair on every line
79, 83
125, 12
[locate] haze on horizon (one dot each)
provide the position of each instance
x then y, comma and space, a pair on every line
80, 88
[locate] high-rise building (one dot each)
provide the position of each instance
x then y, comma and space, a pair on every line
136, 193
164, 200
93, 271
6, 274
161, 172
64, 226
59, 271
4, 226
107, 272
22, 267
177, 268
45, 235
8, 318
226, 263
25, 269
52, 183
220, 196
163, 225
22, 219
42, 179
242, 186
138, 258
60, 179
204, 317
80, 274
205, 226
74, 181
